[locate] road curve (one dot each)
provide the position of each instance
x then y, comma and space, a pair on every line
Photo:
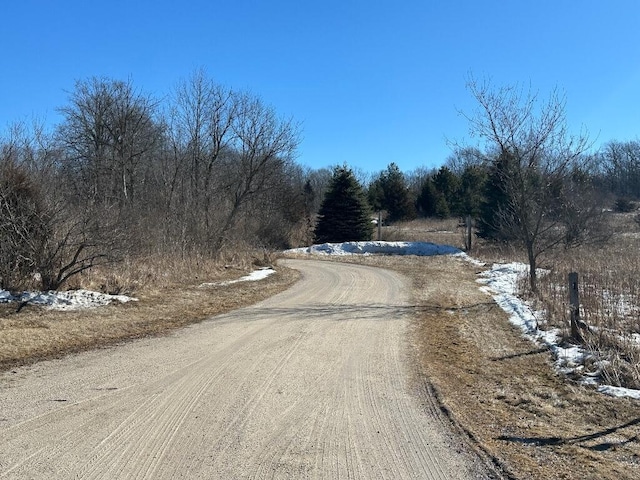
312, 383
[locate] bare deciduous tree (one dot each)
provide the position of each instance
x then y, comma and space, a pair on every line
540, 169
44, 240
228, 149
215, 170
107, 131
620, 162
263, 146
203, 113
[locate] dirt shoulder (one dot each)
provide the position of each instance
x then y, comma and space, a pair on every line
501, 389
36, 333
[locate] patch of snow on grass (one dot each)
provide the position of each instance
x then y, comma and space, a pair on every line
619, 392
70, 300
252, 277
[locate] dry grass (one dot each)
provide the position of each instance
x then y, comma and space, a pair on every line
447, 232
164, 271
609, 301
609, 289
169, 298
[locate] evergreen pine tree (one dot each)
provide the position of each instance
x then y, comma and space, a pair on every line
495, 205
472, 184
442, 206
390, 192
447, 184
428, 199
344, 215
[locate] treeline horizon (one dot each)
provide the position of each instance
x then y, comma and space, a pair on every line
204, 169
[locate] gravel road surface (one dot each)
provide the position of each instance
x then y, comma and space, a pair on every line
313, 383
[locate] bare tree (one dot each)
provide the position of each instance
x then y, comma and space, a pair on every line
263, 146
620, 162
24, 171
217, 167
21, 229
547, 201
76, 241
463, 158
203, 114
44, 240
108, 132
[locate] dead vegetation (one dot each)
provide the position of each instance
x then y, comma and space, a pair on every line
609, 301
504, 392
609, 290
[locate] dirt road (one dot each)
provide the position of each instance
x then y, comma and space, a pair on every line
313, 383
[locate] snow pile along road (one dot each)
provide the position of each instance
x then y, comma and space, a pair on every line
380, 248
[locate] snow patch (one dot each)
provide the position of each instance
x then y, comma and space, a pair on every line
619, 392
252, 277
70, 300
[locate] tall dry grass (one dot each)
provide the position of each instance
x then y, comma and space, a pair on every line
609, 292
445, 231
162, 270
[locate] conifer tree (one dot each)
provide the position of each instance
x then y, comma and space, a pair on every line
494, 210
447, 184
390, 192
344, 215
428, 198
472, 185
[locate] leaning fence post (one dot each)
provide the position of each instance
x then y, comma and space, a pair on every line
574, 305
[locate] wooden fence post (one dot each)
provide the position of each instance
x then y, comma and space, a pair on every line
574, 306
468, 226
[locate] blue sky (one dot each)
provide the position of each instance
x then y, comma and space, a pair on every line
372, 82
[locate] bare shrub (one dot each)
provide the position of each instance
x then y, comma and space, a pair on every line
23, 227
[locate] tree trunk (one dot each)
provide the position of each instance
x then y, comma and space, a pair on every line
533, 277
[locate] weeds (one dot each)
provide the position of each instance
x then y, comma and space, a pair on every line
609, 301
161, 271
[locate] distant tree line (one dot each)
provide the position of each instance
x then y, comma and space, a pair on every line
209, 168
533, 184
